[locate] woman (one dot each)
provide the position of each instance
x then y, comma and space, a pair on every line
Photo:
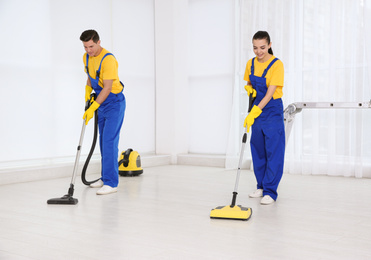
264, 75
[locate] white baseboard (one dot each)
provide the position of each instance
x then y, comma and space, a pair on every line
35, 171
63, 167
212, 161
201, 160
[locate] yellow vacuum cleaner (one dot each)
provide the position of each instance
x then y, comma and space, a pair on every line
234, 211
129, 163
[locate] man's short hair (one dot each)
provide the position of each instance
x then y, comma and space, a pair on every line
89, 35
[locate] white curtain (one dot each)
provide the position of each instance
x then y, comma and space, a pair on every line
322, 44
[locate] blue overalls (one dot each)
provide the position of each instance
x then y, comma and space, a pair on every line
267, 138
110, 117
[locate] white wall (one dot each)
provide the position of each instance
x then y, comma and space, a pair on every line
133, 44
194, 75
175, 59
42, 78
172, 91
211, 74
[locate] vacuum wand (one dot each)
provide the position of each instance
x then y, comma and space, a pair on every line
234, 211
68, 198
244, 139
78, 152
251, 102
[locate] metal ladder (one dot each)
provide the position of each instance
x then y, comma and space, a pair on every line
294, 108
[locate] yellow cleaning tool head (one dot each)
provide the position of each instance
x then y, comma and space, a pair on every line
231, 212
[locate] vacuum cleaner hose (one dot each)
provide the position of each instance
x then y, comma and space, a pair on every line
83, 173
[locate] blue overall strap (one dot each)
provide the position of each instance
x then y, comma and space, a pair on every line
87, 62
252, 66
100, 65
269, 66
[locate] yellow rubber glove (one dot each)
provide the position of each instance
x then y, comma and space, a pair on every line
250, 90
88, 90
249, 120
89, 113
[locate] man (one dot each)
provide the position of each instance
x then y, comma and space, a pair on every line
102, 70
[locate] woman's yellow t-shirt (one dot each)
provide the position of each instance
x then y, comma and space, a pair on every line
108, 70
274, 77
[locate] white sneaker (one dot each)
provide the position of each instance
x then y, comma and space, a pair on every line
106, 190
256, 194
96, 184
266, 200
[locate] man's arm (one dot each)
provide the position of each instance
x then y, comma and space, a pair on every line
107, 88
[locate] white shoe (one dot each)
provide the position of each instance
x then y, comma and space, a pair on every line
256, 194
106, 190
96, 184
266, 200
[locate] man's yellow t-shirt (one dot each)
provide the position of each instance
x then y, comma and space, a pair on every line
274, 77
108, 70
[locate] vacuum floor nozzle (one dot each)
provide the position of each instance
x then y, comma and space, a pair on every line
234, 211
65, 200
228, 212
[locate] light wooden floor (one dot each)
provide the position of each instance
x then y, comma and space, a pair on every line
164, 214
